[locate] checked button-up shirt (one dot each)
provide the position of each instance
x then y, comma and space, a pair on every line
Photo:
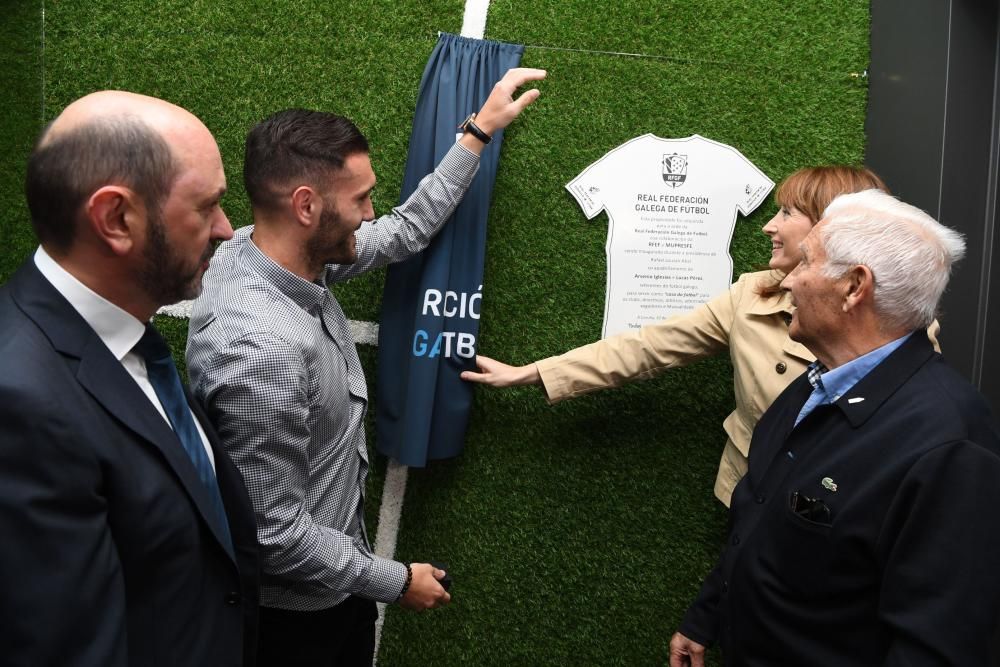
272, 359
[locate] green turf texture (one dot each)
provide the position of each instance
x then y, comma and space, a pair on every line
20, 75
576, 533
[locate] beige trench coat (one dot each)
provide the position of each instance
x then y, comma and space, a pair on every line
753, 329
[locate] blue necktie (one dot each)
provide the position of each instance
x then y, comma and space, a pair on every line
167, 385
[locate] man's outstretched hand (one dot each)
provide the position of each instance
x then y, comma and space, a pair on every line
501, 107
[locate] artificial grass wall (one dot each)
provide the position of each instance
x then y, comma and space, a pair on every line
579, 533
21, 76
575, 533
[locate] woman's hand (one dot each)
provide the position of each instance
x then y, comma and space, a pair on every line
498, 374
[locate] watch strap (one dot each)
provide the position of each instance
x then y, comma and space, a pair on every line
469, 125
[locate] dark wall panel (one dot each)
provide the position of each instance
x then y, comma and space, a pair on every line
932, 133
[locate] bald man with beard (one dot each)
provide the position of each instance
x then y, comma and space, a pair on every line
128, 534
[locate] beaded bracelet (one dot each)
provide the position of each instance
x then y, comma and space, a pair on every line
409, 580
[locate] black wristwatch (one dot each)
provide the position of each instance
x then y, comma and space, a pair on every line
469, 125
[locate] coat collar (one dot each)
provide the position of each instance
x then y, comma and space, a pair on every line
769, 305
862, 400
777, 305
104, 378
857, 404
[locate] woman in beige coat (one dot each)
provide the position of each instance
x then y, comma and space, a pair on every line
750, 320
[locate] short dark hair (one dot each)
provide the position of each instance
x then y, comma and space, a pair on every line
296, 146
63, 172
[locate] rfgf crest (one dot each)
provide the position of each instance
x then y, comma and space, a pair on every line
675, 168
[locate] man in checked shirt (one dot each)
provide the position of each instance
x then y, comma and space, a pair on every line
271, 357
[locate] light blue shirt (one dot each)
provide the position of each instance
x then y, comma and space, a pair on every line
829, 386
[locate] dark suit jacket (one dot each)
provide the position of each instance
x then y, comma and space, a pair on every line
109, 556
905, 569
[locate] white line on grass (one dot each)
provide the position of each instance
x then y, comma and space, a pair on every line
474, 20
473, 25
388, 528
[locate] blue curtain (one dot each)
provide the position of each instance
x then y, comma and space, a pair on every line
431, 302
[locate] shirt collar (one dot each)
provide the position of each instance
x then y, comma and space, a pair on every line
814, 373
839, 381
118, 329
306, 294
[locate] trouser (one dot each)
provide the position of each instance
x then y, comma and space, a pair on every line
341, 636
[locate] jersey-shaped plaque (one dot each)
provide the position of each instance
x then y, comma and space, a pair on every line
672, 207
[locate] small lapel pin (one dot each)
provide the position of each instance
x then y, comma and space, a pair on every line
855, 400
828, 482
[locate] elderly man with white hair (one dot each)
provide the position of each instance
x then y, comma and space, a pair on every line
863, 533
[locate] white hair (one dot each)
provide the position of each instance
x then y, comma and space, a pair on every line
909, 253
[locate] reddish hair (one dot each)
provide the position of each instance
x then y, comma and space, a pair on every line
810, 191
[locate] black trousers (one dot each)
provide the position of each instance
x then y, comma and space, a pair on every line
343, 636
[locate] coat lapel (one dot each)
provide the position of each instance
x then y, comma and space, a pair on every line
107, 381
775, 426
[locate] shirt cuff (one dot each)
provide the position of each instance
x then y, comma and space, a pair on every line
459, 164
385, 580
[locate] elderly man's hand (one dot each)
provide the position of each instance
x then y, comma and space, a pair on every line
684, 652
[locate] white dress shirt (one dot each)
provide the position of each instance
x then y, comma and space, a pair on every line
119, 330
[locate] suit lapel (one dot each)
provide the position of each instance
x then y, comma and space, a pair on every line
107, 381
